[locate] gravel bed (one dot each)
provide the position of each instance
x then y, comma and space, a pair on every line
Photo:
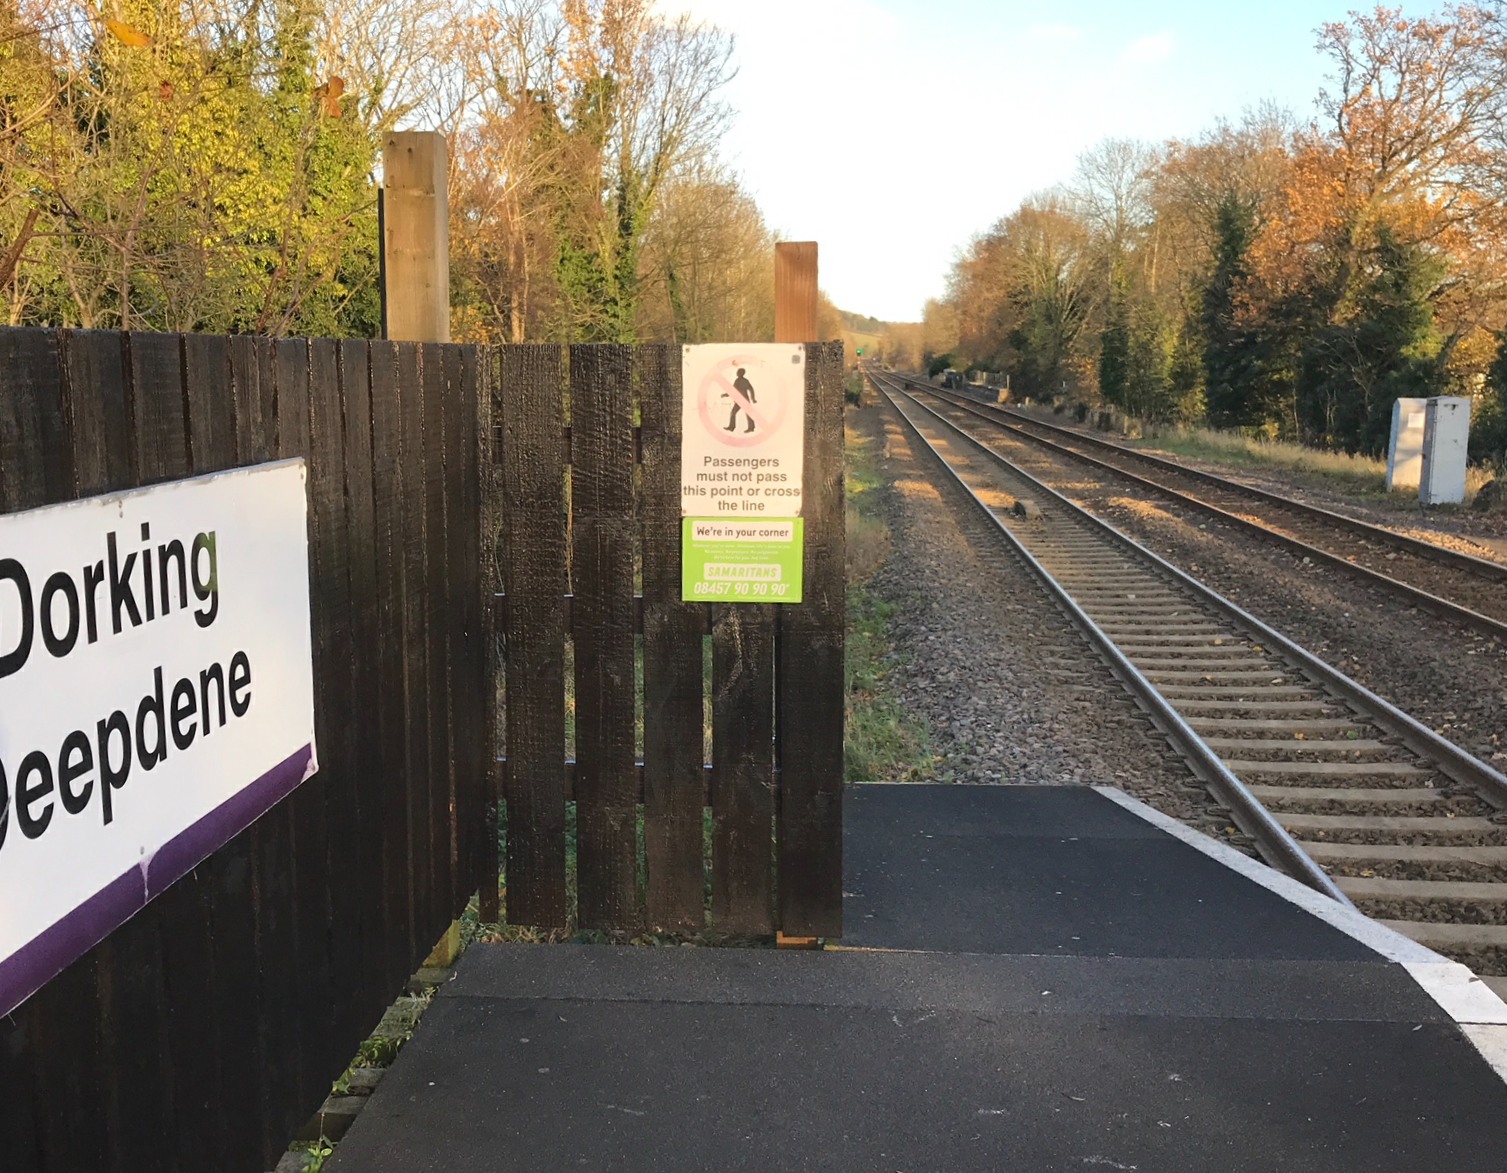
1009, 688
1470, 531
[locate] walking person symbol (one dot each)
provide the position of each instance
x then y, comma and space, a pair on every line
745, 388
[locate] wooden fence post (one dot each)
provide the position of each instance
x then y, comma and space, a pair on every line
809, 637
795, 298
416, 282
416, 237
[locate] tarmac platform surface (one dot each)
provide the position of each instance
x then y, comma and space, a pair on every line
1031, 978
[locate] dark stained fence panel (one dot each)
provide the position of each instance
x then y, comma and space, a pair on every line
203, 1032
208, 1028
776, 672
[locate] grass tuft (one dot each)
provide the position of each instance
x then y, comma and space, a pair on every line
882, 741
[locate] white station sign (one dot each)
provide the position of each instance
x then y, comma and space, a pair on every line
156, 698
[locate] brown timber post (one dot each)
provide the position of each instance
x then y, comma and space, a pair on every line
416, 236
416, 286
803, 797
795, 291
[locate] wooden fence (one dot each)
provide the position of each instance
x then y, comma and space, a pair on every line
631, 804
204, 1032
479, 519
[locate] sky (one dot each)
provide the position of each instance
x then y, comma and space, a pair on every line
892, 131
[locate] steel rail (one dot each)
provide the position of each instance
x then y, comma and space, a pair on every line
1484, 567
1272, 840
1460, 765
1415, 596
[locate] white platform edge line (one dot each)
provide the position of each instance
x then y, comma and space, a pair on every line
1470, 1003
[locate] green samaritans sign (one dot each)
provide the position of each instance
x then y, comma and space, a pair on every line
741, 468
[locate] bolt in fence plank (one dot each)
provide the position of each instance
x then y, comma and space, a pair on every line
363, 740
387, 507
438, 605
674, 680
601, 495
489, 487
413, 507
742, 767
533, 484
810, 718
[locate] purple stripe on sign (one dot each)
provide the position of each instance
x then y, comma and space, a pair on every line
45, 956
187, 849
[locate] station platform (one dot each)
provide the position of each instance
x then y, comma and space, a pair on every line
1031, 978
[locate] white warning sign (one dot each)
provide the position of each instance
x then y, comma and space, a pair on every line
743, 422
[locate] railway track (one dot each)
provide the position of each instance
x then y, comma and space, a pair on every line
1460, 587
1333, 784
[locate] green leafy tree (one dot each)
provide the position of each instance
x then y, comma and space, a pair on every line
1114, 346
1380, 347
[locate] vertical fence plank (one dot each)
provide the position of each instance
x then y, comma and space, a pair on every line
273, 874
363, 740
36, 460
412, 538
489, 518
810, 719
674, 681
434, 619
100, 410
184, 915
534, 570
336, 714
237, 1008
304, 809
387, 505
135, 1023
742, 767
34, 1055
67, 1039
601, 398
463, 575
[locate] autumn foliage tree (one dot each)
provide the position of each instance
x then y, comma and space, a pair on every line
1288, 278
